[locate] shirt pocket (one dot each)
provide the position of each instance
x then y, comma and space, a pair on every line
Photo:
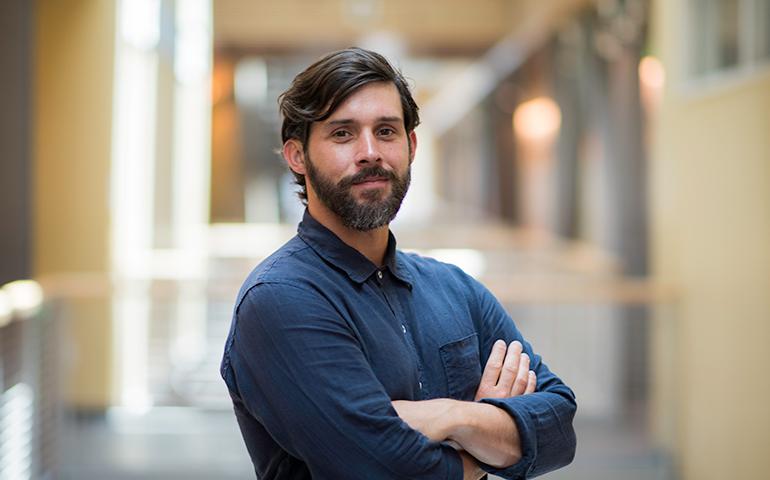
462, 367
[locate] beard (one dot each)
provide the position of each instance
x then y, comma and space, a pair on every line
374, 210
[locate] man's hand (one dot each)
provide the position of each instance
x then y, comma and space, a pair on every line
506, 373
484, 431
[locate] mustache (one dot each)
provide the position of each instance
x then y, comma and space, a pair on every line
374, 171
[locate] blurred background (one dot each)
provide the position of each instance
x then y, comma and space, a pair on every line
602, 165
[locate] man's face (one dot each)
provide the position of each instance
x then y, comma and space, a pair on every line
357, 161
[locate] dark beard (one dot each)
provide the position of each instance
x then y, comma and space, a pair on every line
373, 211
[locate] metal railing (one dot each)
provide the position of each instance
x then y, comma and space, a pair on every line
29, 400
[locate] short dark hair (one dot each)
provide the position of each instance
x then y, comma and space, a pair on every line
318, 90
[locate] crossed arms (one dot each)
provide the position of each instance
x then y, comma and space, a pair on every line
303, 385
478, 430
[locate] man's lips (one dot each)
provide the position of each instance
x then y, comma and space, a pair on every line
372, 181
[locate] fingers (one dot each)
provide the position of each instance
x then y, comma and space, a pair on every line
510, 367
494, 364
522, 376
531, 383
507, 372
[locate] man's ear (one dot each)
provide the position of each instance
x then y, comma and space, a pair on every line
294, 155
412, 145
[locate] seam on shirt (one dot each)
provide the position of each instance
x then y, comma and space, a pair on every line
269, 266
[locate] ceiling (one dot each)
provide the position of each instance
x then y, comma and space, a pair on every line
433, 27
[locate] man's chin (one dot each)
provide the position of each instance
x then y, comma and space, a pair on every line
367, 196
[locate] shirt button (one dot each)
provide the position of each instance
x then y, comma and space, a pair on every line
403, 328
379, 274
419, 384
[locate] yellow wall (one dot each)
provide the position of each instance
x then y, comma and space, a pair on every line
74, 64
711, 239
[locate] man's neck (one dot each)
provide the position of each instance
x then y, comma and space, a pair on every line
372, 244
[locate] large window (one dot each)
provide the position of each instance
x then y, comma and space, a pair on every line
728, 35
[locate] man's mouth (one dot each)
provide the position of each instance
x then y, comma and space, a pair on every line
372, 181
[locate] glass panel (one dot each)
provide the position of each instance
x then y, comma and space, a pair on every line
714, 35
761, 30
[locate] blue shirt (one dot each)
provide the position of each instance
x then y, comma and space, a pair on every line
322, 340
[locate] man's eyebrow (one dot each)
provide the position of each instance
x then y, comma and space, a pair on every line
341, 121
348, 121
390, 119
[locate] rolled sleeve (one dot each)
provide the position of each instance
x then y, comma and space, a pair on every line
544, 418
544, 422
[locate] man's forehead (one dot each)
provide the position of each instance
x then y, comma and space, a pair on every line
379, 100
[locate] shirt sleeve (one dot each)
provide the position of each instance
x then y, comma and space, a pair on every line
298, 369
543, 418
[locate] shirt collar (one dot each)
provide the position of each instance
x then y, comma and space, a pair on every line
359, 268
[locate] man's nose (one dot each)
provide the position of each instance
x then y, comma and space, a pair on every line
368, 149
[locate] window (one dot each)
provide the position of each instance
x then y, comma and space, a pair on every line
761, 40
728, 35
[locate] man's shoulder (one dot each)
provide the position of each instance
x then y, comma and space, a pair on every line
424, 266
286, 266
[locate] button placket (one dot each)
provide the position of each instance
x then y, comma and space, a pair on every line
423, 393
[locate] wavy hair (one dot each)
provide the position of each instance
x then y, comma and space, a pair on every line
319, 90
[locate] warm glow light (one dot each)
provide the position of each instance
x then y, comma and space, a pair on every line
25, 297
651, 73
537, 119
221, 82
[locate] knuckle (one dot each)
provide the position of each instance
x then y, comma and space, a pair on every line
512, 369
495, 365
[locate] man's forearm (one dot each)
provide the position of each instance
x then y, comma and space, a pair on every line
484, 431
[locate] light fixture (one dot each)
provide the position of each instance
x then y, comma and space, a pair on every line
25, 297
538, 119
651, 73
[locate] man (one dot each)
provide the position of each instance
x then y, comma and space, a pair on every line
350, 359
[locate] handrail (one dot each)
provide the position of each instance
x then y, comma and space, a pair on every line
513, 288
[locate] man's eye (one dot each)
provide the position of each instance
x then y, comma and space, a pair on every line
341, 134
387, 131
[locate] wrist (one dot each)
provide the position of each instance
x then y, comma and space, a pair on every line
486, 432
460, 419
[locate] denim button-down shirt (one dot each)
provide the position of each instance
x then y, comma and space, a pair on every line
322, 340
